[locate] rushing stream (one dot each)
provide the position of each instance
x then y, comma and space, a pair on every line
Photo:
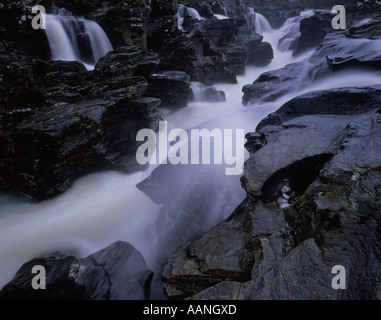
105, 207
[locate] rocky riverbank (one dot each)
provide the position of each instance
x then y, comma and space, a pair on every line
312, 182
313, 188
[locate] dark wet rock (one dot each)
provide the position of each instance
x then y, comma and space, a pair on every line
171, 87
221, 37
367, 53
71, 122
187, 51
125, 22
205, 262
16, 31
342, 51
17, 90
313, 30
255, 141
259, 53
117, 272
127, 61
368, 59
237, 57
45, 154
271, 85
324, 159
221, 32
341, 101
370, 29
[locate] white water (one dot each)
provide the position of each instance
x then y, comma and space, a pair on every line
106, 207
199, 91
220, 17
183, 12
63, 31
290, 30
257, 21
261, 24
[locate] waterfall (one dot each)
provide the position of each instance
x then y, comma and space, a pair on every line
194, 14
257, 21
198, 91
76, 39
261, 24
290, 31
183, 12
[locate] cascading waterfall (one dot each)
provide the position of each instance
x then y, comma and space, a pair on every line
106, 207
76, 39
261, 24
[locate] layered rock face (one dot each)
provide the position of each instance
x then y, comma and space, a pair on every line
71, 122
117, 272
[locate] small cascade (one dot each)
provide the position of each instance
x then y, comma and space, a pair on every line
261, 24
290, 31
202, 93
76, 39
183, 12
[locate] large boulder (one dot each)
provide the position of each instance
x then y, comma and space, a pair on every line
260, 53
171, 87
272, 84
117, 272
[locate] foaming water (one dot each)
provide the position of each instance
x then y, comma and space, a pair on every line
98, 210
261, 24
102, 208
184, 11
63, 31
